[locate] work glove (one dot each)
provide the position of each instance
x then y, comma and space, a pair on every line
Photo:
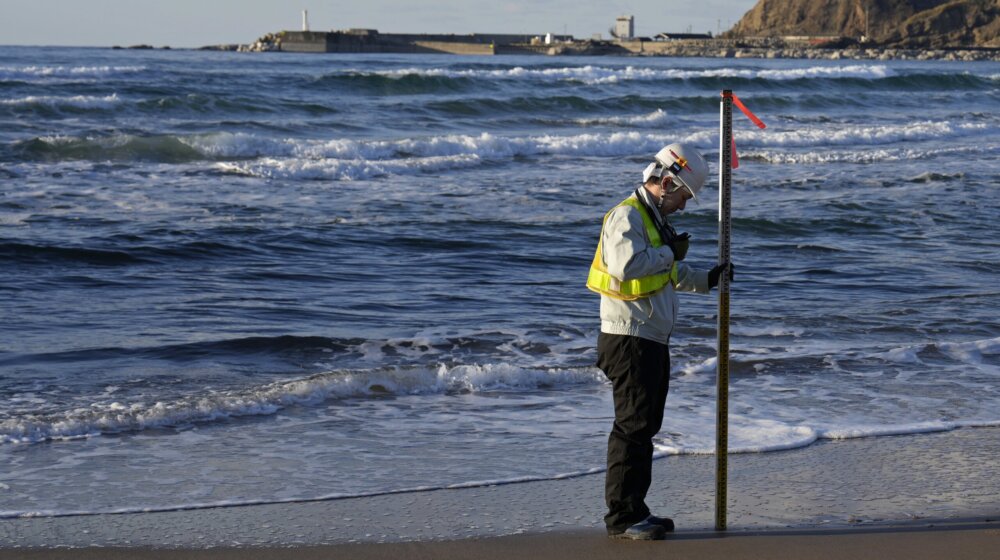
713, 275
679, 245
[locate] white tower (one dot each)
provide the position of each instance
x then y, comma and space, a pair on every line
625, 27
305, 20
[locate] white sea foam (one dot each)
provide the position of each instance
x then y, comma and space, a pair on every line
746, 435
970, 352
855, 135
492, 147
853, 432
79, 101
344, 170
907, 355
600, 75
239, 145
350, 159
342, 158
857, 156
965, 352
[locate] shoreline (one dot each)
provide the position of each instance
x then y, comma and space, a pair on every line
846, 485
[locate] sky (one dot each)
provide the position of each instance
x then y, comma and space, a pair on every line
195, 23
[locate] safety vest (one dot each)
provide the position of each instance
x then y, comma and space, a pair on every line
602, 282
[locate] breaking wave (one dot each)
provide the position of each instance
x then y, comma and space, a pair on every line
428, 80
354, 159
601, 75
116, 417
59, 102
33, 73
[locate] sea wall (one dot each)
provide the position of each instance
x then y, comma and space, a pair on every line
370, 41
452, 48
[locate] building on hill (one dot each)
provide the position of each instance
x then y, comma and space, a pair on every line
624, 28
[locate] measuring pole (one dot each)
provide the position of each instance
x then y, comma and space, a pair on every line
722, 347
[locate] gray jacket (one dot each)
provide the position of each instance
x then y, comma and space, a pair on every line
628, 253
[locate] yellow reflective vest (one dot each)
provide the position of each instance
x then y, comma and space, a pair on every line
602, 282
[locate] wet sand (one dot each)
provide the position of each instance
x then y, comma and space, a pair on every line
956, 541
921, 496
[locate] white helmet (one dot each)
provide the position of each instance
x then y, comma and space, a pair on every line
683, 162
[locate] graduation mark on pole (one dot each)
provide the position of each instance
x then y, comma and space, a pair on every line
727, 162
726, 144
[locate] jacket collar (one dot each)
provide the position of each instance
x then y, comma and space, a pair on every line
650, 203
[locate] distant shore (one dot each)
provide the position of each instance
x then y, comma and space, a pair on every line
965, 55
371, 41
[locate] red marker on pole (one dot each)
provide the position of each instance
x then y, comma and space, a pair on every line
751, 116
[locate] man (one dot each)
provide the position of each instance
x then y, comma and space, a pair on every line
638, 269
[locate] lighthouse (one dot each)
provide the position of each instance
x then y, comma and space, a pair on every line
305, 20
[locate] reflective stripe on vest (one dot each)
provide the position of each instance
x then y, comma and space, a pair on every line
602, 282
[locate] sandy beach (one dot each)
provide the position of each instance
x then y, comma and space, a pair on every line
923, 496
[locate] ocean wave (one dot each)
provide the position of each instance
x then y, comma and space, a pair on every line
602, 75
23, 73
657, 118
347, 158
112, 255
345, 170
201, 103
38, 253
351, 159
970, 352
783, 157
119, 147
394, 83
100, 418
328, 353
58, 102
255, 345
116, 417
932, 177
851, 135
459, 78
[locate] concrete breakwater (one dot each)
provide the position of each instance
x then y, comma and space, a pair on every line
371, 41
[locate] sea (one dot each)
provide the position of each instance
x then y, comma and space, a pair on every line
236, 278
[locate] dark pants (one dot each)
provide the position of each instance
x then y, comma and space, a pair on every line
639, 371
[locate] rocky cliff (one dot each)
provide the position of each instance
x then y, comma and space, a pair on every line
898, 23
